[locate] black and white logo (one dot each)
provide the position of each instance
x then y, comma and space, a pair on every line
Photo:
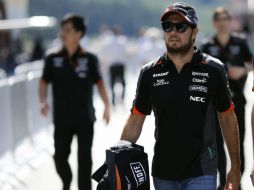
161, 82
200, 74
58, 62
82, 65
160, 74
234, 50
197, 88
197, 80
197, 99
82, 68
138, 173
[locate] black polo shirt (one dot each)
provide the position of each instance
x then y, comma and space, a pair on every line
72, 80
185, 107
236, 53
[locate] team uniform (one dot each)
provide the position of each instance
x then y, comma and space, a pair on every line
185, 107
235, 53
72, 81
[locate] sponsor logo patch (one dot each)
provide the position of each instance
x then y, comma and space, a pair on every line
82, 65
200, 74
161, 82
235, 50
198, 88
138, 172
197, 80
58, 62
160, 74
197, 99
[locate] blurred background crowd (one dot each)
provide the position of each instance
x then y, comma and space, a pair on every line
138, 21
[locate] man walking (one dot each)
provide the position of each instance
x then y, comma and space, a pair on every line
114, 54
232, 49
72, 71
186, 90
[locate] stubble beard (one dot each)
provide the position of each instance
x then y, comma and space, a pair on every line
182, 50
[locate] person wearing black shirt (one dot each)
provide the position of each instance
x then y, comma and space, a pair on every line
252, 126
72, 71
186, 89
232, 49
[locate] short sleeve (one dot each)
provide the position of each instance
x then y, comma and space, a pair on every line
47, 73
142, 103
95, 70
222, 95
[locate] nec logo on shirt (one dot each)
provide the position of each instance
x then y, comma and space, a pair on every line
138, 172
160, 74
197, 99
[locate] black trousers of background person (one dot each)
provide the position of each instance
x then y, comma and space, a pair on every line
117, 75
222, 162
63, 136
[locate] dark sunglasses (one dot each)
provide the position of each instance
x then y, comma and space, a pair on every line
169, 26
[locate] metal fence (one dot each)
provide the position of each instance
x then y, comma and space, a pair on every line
19, 106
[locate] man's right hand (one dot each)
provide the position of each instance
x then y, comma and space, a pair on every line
233, 179
44, 109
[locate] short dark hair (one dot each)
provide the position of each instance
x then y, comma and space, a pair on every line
77, 21
220, 10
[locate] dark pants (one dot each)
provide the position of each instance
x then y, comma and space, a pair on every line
117, 75
240, 114
63, 137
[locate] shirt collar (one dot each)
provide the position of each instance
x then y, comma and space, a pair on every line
74, 56
218, 43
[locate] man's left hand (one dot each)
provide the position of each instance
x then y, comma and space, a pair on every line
233, 179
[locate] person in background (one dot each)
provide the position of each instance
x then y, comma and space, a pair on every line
252, 127
114, 53
73, 72
38, 50
233, 50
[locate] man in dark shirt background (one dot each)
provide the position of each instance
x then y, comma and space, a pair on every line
186, 90
72, 71
232, 49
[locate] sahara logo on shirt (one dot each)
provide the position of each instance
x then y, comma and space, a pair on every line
138, 172
160, 74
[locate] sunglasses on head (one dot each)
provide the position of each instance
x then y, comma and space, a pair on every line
179, 26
